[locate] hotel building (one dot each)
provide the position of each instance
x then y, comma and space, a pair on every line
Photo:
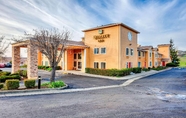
107, 47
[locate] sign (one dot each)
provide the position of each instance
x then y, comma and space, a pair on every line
102, 37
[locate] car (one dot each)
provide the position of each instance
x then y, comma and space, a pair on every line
2, 65
8, 65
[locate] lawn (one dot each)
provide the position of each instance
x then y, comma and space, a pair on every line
183, 61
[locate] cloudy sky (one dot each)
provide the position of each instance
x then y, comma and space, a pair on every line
157, 20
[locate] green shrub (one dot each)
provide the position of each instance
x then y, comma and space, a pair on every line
145, 69
24, 66
171, 65
49, 69
109, 72
1, 85
58, 68
22, 73
4, 77
56, 84
136, 70
12, 84
30, 83
4, 73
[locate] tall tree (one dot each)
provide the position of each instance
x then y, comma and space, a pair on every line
173, 53
3, 46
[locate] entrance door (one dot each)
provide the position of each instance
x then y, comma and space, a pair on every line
77, 61
163, 63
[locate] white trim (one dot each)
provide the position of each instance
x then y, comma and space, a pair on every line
98, 64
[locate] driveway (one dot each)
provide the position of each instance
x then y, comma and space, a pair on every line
75, 81
157, 96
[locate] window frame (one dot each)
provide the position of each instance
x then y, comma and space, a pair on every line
128, 51
139, 52
97, 63
131, 52
96, 51
101, 50
101, 65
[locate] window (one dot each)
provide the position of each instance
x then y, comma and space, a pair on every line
139, 53
150, 63
96, 65
46, 63
150, 53
103, 50
96, 50
127, 51
131, 52
74, 56
79, 56
103, 65
139, 64
75, 64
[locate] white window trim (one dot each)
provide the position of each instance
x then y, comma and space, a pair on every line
105, 50
98, 52
126, 51
105, 64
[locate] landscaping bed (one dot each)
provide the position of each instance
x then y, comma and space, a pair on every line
10, 81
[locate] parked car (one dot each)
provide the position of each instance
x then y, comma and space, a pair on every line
8, 65
2, 65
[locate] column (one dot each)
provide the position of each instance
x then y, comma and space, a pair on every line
15, 59
32, 67
85, 59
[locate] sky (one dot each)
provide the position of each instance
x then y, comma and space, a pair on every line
158, 21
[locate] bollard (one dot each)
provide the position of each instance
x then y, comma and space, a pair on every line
39, 82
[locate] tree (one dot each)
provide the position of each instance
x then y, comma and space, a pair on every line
173, 53
51, 43
3, 46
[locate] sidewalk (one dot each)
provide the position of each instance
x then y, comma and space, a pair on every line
143, 74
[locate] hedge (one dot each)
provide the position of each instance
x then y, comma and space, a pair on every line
4, 73
22, 73
12, 84
171, 65
109, 72
30, 83
136, 70
48, 68
4, 77
1, 85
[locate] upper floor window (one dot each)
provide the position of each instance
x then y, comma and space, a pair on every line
150, 53
127, 51
103, 50
103, 65
131, 52
139, 53
96, 50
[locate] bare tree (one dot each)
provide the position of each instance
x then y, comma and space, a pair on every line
3, 46
52, 44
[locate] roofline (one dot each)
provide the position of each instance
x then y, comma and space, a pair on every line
111, 25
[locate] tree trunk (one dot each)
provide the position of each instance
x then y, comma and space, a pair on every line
53, 73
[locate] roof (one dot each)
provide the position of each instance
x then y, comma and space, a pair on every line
145, 48
160, 54
111, 25
163, 45
76, 43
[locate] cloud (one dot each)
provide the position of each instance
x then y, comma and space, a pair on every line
157, 21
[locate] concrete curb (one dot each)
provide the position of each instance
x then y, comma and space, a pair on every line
31, 90
18, 93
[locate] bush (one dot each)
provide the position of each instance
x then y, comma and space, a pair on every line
4, 73
56, 84
12, 84
145, 69
136, 70
1, 85
49, 69
171, 65
22, 73
24, 66
109, 72
4, 77
58, 68
30, 83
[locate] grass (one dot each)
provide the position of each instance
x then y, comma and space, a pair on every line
182, 61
